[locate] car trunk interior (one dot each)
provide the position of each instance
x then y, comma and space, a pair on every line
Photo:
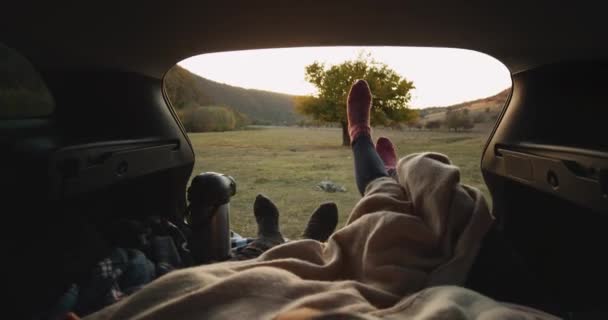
545, 165
115, 149
74, 177
112, 150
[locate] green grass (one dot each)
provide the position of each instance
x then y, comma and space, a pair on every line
287, 163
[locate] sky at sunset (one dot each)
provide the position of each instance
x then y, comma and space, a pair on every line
442, 76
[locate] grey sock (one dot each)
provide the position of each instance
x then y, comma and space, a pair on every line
322, 223
266, 216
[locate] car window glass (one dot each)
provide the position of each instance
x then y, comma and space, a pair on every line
23, 94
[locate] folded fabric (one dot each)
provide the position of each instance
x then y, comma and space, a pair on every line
122, 273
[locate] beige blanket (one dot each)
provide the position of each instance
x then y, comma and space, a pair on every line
405, 249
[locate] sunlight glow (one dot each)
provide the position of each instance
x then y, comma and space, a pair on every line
442, 76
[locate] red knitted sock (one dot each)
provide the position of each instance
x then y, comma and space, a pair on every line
358, 107
386, 151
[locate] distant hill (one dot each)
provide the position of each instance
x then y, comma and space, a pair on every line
187, 90
488, 107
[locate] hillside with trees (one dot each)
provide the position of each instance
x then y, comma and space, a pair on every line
466, 115
188, 91
205, 105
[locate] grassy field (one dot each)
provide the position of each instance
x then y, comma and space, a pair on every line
286, 164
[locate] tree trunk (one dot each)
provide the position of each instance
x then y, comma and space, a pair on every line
345, 135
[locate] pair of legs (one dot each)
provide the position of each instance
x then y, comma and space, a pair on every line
320, 226
371, 162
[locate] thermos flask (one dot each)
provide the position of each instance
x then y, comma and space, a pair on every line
209, 197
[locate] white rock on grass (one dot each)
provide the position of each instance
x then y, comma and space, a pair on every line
330, 186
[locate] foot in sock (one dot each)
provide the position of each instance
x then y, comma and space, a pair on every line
267, 217
358, 108
269, 235
322, 223
386, 151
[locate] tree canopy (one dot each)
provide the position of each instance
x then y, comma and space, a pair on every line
391, 92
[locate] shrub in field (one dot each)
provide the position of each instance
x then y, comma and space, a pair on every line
211, 118
433, 124
479, 118
455, 119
